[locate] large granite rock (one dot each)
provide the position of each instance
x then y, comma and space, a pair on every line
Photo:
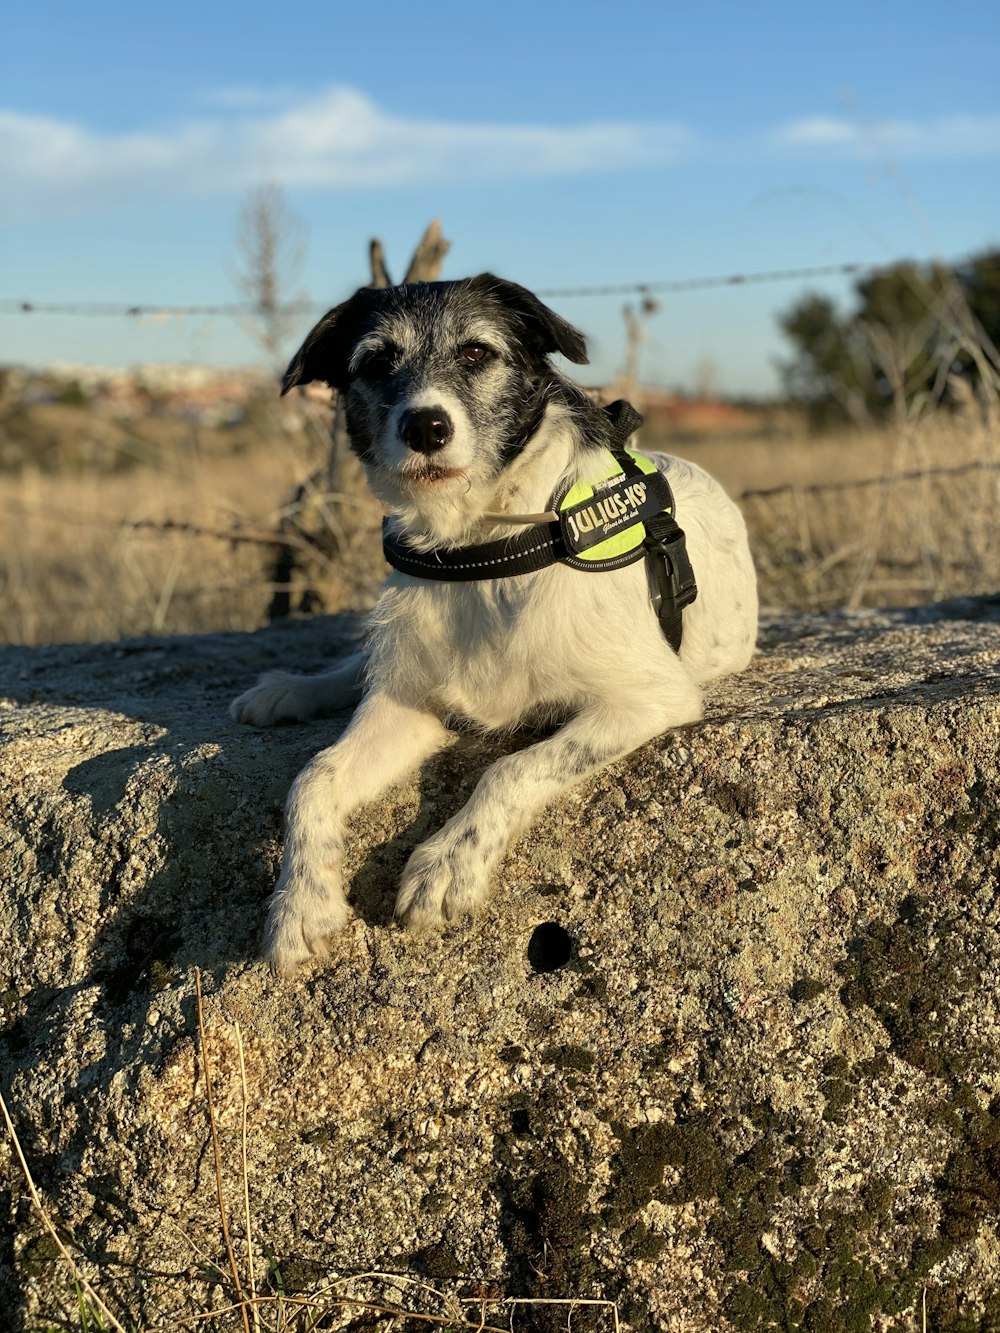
723, 1049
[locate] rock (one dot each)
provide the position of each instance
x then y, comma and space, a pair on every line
723, 1049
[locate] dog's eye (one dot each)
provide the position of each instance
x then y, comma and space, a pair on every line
473, 352
378, 362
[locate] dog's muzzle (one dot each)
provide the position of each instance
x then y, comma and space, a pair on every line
425, 430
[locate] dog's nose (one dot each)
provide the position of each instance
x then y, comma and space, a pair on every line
425, 429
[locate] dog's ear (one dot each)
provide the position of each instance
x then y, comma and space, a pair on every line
326, 353
550, 332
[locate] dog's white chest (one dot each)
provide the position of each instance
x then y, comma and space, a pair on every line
475, 650
499, 687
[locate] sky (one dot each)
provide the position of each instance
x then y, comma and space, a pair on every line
562, 145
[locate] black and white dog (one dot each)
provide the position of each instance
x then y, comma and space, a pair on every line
467, 432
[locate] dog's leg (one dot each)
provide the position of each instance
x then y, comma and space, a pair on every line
385, 741
281, 696
449, 874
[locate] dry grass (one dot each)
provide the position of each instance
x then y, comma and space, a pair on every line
182, 542
893, 517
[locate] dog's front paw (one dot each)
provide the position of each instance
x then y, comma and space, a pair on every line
279, 696
300, 921
440, 883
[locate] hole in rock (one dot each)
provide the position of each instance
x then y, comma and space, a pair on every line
550, 947
520, 1123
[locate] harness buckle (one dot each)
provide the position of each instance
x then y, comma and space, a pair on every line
667, 557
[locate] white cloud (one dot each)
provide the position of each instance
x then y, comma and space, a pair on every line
947, 136
815, 130
339, 138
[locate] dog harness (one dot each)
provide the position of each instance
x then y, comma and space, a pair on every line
626, 515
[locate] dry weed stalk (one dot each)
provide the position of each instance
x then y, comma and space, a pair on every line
512, 1302
46, 1221
324, 1302
217, 1155
244, 1106
332, 1296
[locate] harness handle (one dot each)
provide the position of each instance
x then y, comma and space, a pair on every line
667, 562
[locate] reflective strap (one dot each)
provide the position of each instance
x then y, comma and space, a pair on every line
529, 551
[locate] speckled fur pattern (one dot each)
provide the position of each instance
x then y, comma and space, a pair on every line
582, 648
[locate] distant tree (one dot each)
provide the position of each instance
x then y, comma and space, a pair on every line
913, 329
979, 281
829, 374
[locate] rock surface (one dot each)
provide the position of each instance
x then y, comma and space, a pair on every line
723, 1049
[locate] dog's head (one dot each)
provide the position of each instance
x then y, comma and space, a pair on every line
444, 382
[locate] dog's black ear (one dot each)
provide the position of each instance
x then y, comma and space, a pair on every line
550, 331
326, 352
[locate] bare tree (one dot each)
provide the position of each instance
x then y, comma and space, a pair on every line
271, 247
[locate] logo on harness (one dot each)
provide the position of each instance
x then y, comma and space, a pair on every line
602, 523
591, 522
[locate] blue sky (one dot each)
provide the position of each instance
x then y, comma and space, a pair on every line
561, 144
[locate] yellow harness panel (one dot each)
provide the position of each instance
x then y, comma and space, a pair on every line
625, 540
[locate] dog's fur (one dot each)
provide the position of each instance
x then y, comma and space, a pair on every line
473, 358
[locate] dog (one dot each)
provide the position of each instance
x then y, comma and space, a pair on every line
467, 431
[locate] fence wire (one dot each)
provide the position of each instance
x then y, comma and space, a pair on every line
245, 309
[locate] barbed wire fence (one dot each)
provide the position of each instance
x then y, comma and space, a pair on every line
243, 309
295, 543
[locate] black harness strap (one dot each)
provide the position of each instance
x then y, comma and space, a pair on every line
533, 549
667, 560
666, 549
543, 544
